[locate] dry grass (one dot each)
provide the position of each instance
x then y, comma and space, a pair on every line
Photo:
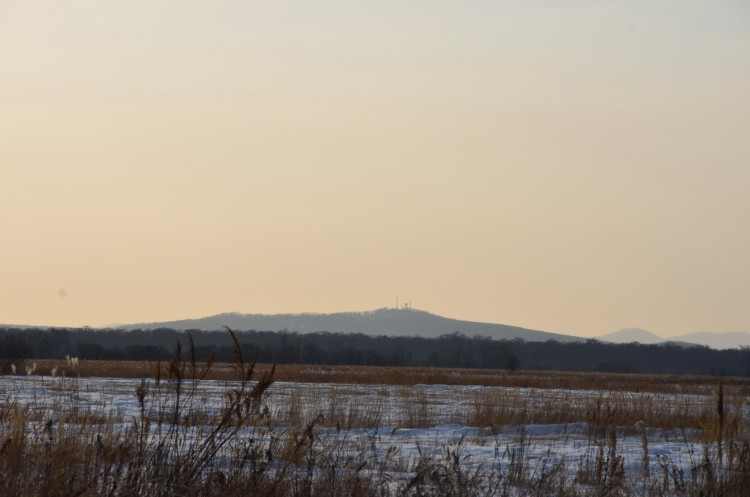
373, 375
176, 446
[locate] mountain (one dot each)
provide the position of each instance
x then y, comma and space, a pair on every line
387, 321
629, 335
731, 340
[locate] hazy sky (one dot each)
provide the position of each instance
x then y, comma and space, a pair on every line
577, 167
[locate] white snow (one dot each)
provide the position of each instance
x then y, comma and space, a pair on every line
389, 414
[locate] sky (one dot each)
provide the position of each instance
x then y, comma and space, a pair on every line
576, 167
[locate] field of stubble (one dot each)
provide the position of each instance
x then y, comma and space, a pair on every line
184, 429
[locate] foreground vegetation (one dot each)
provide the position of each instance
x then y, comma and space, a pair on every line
177, 443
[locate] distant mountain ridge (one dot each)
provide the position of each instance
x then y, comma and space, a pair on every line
630, 335
413, 322
386, 321
731, 340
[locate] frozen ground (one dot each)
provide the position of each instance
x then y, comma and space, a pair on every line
405, 423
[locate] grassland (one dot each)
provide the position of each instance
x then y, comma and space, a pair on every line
183, 428
373, 375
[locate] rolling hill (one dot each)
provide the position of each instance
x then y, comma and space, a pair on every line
731, 340
630, 335
386, 321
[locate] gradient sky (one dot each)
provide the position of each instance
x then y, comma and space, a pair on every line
577, 167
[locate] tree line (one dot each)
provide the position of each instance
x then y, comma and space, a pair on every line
451, 350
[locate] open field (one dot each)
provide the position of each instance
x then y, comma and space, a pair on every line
230, 430
372, 375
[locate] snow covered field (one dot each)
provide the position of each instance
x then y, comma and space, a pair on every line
586, 439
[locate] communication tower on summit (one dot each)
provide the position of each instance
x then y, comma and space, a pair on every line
406, 306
